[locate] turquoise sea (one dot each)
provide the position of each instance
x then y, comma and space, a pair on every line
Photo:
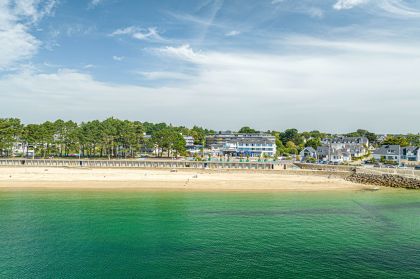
137, 234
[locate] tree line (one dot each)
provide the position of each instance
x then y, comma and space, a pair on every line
108, 138
114, 138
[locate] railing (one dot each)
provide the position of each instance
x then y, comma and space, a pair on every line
135, 164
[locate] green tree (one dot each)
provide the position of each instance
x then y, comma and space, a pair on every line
10, 130
291, 148
314, 143
291, 135
178, 144
414, 140
372, 137
247, 130
396, 140
33, 135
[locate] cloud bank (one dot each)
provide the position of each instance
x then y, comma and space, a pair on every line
17, 17
347, 86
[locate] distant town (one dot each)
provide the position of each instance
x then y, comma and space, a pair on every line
114, 138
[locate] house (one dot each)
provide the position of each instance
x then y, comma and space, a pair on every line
356, 146
388, 153
22, 149
342, 140
410, 153
330, 154
339, 156
327, 153
307, 153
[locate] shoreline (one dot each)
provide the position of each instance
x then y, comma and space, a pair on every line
169, 180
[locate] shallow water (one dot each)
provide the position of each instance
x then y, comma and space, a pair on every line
127, 234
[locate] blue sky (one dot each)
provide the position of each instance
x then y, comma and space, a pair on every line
332, 65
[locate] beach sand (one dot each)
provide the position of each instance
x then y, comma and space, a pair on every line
162, 179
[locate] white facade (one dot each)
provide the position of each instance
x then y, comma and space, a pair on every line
189, 141
339, 158
257, 149
252, 145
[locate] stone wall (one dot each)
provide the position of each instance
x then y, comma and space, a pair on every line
306, 166
388, 180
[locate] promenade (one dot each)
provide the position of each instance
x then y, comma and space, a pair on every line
169, 164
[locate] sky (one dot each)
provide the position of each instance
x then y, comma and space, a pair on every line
329, 65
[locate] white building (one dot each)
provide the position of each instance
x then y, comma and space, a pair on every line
255, 147
189, 141
252, 145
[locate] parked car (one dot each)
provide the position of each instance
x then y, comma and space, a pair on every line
417, 167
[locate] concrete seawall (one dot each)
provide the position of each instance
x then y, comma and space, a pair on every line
306, 166
388, 180
169, 164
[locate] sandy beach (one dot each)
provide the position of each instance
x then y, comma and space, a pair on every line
206, 180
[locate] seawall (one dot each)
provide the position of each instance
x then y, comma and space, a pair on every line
387, 180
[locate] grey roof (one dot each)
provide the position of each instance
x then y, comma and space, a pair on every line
254, 140
413, 149
310, 149
349, 140
387, 150
323, 150
237, 135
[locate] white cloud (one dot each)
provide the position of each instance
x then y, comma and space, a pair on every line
164, 75
149, 34
348, 4
17, 17
34, 10
399, 8
395, 8
314, 12
95, 3
124, 31
335, 91
184, 52
232, 33
118, 58
353, 46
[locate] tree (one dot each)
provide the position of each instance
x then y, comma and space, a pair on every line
396, 140
161, 140
314, 143
47, 130
413, 139
178, 144
291, 135
247, 130
10, 130
372, 137
32, 135
199, 135
291, 148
